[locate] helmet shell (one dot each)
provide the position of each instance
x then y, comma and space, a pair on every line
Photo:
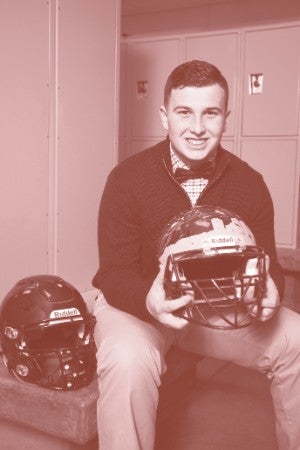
207, 228
211, 253
46, 333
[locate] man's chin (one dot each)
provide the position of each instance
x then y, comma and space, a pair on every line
192, 155
195, 156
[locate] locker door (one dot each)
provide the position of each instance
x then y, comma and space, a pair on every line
272, 59
149, 65
220, 50
276, 160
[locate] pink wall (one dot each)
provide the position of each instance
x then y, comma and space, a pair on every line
58, 127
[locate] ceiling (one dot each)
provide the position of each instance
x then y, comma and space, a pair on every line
132, 7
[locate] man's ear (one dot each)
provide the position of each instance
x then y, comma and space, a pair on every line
164, 117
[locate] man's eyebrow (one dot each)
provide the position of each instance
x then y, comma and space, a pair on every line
182, 107
214, 108
188, 108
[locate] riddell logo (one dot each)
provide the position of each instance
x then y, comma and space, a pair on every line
61, 313
223, 240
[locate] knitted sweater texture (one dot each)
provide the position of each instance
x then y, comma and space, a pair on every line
140, 198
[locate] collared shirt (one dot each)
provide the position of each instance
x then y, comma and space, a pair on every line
193, 187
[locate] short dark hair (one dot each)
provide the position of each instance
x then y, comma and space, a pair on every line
194, 73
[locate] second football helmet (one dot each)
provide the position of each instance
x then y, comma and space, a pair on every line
212, 253
46, 333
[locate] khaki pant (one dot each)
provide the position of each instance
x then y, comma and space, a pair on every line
131, 362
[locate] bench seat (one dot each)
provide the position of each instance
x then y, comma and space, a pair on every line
35, 418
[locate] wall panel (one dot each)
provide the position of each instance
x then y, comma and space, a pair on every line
87, 129
24, 169
58, 134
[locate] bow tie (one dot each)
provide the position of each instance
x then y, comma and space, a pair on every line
204, 171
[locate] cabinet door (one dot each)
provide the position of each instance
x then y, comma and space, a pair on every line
220, 50
149, 64
276, 160
272, 59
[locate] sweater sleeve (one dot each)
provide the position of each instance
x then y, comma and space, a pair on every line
120, 276
263, 228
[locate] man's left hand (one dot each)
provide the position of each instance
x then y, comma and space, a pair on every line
271, 299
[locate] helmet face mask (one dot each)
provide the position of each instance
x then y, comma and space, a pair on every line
47, 334
211, 253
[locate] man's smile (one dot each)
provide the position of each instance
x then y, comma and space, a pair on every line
196, 144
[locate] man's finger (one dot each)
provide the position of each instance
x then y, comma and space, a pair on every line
171, 305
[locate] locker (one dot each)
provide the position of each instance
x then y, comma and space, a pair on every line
149, 64
141, 144
220, 50
274, 55
228, 144
276, 160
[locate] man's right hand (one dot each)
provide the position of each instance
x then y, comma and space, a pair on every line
161, 308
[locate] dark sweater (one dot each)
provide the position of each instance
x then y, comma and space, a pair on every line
141, 197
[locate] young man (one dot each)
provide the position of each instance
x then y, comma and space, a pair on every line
135, 323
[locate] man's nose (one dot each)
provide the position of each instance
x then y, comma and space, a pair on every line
197, 125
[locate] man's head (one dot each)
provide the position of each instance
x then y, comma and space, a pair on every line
195, 110
194, 73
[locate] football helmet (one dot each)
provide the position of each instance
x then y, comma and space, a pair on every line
211, 253
46, 333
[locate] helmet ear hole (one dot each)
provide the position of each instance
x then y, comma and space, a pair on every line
26, 369
214, 253
44, 325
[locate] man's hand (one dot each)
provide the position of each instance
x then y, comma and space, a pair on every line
271, 299
162, 309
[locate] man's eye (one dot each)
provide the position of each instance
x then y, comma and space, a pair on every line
184, 113
211, 113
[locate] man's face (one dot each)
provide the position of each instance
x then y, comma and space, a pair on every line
195, 119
